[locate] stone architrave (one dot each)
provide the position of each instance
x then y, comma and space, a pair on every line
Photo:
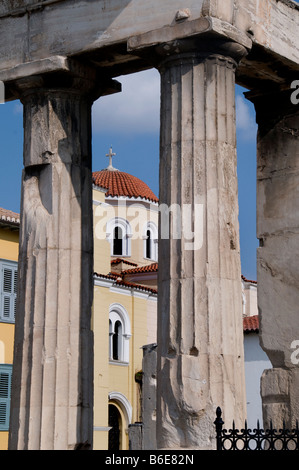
200, 341
52, 390
278, 256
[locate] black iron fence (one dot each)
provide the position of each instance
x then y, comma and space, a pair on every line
255, 439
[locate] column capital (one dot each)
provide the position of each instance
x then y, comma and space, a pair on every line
63, 74
272, 104
204, 37
222, 51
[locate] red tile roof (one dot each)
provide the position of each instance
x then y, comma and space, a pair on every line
119, 183
136, 286
121, 283
251, 324
248, 280
112, 276
149, 268
9, 217
122, 260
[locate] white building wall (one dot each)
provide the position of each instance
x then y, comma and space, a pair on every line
256, 361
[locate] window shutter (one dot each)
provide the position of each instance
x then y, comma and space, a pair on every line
7, 288
9, 282
15, 288
6, 306
5, 393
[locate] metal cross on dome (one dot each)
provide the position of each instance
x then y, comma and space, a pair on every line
110, 155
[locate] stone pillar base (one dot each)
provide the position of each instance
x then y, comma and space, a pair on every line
279, 391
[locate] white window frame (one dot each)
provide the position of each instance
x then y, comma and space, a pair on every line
117, 313
151, 226
123, 402
8, 296
124, 225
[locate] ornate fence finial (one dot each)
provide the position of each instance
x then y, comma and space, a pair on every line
218, 423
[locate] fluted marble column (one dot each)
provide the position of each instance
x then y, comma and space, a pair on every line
200, 338
278, 255
52, 390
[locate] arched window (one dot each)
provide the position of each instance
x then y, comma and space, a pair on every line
117, 341
118, 241
120, 417
110, 338
151, 241
119, 235
115, 425
148, 245
119, 334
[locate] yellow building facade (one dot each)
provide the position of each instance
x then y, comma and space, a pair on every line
9, 251
124, 308
124, 311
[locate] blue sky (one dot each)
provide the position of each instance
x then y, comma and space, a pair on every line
129, 121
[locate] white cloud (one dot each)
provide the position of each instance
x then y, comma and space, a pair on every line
18, 107
134, 110
246, 125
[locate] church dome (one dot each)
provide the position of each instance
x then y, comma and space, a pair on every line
119, 184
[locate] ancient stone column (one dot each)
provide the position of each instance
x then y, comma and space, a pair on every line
52, 390
278, 254
200, 339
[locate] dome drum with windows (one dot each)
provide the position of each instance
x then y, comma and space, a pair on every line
119, 186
